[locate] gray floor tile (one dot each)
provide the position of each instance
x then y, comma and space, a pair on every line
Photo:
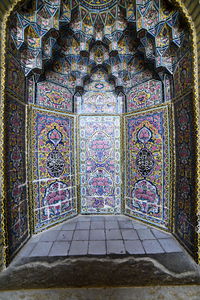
97, 247
97, 235
57, 227
82, 229
59, 249
41, 249
125, 224
137, 225
65, 235
112, 225
129, 234
81, 235
160, 234
145, 234
97, 218
97, 225
26, 250
134, 247
152, 247
35, 237
69, 226
170, 245
78, 248
83, 225
111, 218
113, 234
115, 247
49, 236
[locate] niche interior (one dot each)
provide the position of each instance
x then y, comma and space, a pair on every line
99, 116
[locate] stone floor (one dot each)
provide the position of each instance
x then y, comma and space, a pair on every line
100, 235
100, 251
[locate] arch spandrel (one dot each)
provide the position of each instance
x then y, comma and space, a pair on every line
31, 60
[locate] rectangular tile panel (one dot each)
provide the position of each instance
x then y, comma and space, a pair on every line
147, 166
15, 167
53, 177
185, 211
100, 178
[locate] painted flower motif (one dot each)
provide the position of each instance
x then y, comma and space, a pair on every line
55, 96
16, 156
183, 119
184, 152
100, 146
144, 135
100, 183
182, 222
99, 86
17, 192
15, 122
55, 137
145, 197
56, 194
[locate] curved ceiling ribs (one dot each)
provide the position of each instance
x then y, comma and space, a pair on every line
89, 34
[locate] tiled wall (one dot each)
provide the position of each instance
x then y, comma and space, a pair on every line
54, 96
146, 94
1, 238
100, 173
185, 219
16, 182
53, 167
147, 180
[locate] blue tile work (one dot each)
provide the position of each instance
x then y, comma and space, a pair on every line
99, 96
100, 178
1, 240
17, 201
54, 185
55, 96
185, 220
147, 186
156, 26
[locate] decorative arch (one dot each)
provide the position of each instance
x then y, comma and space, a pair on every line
35, 59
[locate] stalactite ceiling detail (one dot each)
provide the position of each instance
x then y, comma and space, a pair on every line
89, 34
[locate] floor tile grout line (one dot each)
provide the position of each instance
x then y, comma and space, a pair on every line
71, 240
50, 248
162, 246
119, 228
32, 250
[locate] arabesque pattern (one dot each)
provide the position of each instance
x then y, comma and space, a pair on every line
54, 96
185, 205
100, 178
54, 190
17, 199
148, 166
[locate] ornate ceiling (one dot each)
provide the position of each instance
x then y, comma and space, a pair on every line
96, 34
